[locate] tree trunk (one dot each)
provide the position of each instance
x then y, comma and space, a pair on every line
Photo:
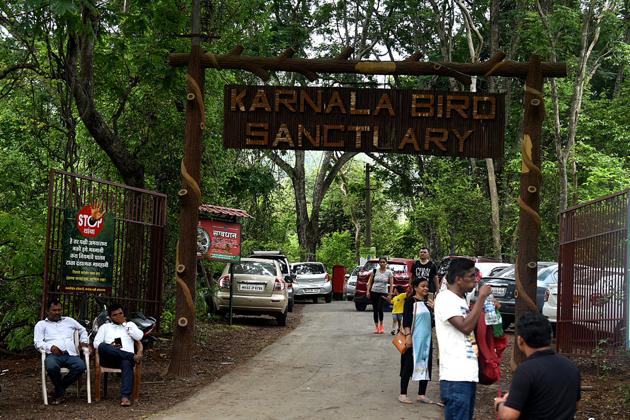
308, 226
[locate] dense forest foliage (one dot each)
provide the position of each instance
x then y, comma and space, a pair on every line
85, 87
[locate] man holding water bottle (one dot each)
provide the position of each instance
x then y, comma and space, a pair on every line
115, 344
454, 325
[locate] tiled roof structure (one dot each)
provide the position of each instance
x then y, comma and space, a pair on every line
225, 211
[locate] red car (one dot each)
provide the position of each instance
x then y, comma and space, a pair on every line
402, 274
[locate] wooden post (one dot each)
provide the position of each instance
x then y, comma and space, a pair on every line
529, 199
190, 196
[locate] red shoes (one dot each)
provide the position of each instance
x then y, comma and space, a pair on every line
379, 329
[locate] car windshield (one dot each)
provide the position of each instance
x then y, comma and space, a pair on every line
547, 274
257, 268
305, 269
396, 268
355, 272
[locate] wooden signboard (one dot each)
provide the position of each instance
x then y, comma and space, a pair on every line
364, 120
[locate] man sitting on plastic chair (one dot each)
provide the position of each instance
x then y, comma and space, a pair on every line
55, 336
115, 345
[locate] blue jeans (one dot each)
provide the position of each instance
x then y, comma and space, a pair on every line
459, 399
116, 358
54, 363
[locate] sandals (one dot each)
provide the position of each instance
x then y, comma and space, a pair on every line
403, 399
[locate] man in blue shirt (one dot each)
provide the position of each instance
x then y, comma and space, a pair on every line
55, 335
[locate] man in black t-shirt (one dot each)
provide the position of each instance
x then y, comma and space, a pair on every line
424, 267
545, 385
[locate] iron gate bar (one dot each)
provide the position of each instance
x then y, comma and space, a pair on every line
139, 216
592, 311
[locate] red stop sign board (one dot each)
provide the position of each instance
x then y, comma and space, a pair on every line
88, 226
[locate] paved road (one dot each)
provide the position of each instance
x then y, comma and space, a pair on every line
330, 367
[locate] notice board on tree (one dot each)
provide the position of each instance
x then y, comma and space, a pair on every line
88, 250
460, 124
218, 240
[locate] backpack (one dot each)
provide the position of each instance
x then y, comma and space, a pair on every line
490, 350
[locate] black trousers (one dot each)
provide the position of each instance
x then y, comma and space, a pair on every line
406, 371
377, 306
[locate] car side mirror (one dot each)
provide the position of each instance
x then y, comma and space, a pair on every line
288, 278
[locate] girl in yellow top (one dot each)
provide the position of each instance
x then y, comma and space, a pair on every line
398, 304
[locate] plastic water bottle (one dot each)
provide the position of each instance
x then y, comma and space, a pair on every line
490, 312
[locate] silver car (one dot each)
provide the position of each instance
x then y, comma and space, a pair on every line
259, 289
352, 282
312, 281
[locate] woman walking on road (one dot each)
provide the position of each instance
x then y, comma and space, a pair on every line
380, 285
415, 362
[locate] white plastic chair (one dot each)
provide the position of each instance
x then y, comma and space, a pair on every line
65, 371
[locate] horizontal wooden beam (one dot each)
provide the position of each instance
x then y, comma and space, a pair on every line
260, 66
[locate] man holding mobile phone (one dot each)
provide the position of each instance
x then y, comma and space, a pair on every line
115, 344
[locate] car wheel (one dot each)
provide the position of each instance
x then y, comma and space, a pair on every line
360, 306
506, 322
328, 297
315, 299
281, 319
350, 298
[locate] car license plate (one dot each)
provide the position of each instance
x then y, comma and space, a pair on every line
251, 287
311, 291
498, 291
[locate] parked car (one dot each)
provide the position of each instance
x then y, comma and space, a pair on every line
504, 288
288, 276
259, 289
550, 305
352, 282
487, 268
442, 267
597, 300
312, 281
402, 274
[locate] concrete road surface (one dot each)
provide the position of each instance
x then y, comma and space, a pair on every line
330, 367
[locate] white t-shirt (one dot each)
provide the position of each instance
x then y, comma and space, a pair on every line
458, 356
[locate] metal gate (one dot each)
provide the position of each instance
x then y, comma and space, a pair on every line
592, 291
140, 219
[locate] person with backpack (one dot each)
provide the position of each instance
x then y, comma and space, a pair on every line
545, 385
416, 361
380, 285
454, 325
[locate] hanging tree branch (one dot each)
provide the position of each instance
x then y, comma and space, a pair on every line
260, 66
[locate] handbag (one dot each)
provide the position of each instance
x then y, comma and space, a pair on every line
399, 342
399, 339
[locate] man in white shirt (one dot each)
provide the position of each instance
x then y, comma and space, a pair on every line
55, 334
454, 326
115, 344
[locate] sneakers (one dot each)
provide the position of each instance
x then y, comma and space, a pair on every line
377, 329
381, 329
393, 332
